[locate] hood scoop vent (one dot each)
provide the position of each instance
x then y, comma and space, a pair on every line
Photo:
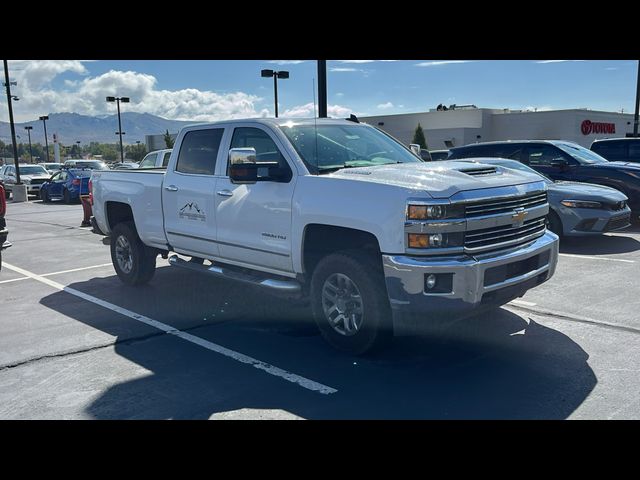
480, 171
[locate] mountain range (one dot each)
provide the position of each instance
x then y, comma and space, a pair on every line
71, 127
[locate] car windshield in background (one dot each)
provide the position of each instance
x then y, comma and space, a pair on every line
581, 154
80, 173
33, 170
92, 165
326, 148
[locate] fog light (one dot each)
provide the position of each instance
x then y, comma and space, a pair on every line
431, 281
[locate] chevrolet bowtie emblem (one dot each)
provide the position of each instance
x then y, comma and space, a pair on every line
518, 217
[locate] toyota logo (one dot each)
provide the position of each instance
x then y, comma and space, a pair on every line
586, 127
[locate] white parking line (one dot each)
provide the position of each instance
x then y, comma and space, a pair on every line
58, 273
14, 280
270, 369
523, 303
77, 269
596, 258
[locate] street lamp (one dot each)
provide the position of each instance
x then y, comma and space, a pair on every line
79, 154
119, 132
44, 119
28, 128
7, 85
276, 75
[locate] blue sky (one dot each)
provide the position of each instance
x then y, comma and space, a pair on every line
211, 90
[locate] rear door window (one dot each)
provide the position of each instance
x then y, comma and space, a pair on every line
634, 152
149, 161
199, 151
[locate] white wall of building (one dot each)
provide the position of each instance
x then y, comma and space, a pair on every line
463, 127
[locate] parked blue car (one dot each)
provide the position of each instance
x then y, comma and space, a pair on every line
66, 185
576, 208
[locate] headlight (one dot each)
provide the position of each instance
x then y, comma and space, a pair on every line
27, 181
434, 212
581, 204
434, 240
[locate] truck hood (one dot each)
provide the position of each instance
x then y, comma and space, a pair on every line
440, 180
586, 191
36, 176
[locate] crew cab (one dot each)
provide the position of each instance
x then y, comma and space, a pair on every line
335, 212
4, 243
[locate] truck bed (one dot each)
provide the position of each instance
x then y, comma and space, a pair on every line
142, 190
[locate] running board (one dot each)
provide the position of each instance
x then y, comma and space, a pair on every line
258, 278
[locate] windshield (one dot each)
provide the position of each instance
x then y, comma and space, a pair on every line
51, 166
343, 146
515, 166
94, 165
581, 154
33, 170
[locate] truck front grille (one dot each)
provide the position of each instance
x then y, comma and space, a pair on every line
504, 236
497, 206
38, 181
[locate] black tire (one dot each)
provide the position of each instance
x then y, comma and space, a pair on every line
376, 327
66, 197
554, 223
45, 196
7, 193
142, 258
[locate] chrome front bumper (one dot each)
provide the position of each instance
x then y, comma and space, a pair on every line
471, 286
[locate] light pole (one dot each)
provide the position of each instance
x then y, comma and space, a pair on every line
78, 151
44, 119
635, 116
28, 128
322, 88
10, 97
119, 132
276, 75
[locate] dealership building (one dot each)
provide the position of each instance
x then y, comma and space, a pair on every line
461, 125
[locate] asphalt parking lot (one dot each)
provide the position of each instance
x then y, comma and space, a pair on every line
76, 343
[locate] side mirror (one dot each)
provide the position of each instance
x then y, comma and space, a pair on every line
560, 163
415, 148
425, 155
242, 165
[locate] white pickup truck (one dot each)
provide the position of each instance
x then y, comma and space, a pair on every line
336, 212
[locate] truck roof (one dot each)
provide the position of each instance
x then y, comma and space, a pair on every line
280, 121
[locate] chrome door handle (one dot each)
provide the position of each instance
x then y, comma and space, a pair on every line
225, 193
171, 188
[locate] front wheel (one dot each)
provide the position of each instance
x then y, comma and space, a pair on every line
66, 197
350, 304
133, 261
44, 195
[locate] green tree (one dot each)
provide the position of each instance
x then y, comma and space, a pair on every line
136, 152
168, 141
418, 137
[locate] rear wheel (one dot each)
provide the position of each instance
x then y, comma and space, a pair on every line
554, 223
350, 303
133, 261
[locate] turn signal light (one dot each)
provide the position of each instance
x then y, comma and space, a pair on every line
418, 240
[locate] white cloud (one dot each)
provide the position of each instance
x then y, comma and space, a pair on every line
365, 61
307, 111
440, 62
87, 95
339, 94
557, 61
345, 69
384, 106
287, 62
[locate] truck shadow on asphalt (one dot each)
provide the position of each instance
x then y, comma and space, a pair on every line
495, 365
